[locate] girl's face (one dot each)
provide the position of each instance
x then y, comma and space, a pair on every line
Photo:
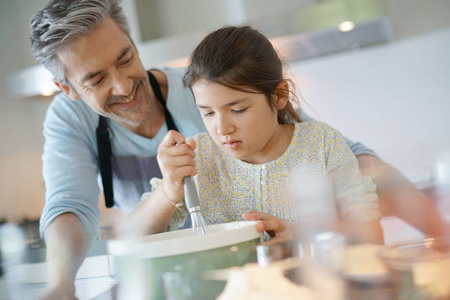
243, 124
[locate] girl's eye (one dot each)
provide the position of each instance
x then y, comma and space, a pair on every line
208, 114
239, 111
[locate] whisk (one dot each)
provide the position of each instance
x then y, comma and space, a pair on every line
199, 225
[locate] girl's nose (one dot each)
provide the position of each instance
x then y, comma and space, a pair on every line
224, 126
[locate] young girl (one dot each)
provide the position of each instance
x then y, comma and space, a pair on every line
255, 142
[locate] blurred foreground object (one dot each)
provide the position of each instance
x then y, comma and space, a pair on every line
363, 265
322, 265
255, 282
421, 269
399, 197
363, 259
12, 241
441, 167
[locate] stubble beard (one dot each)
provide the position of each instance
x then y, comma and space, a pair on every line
132, 122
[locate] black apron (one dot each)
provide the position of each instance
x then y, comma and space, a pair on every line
107, 161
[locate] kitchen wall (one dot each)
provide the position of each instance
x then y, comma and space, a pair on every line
395, 98
21, 184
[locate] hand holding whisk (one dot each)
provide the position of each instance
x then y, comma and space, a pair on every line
199, 225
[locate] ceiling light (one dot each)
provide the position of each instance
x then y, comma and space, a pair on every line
346, 26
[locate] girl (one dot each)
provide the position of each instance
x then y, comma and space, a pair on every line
255, 142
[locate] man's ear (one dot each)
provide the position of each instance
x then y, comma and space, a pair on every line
67, 90
282, 95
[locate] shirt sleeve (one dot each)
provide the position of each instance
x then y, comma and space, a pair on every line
355, 194
356, 147
70, 168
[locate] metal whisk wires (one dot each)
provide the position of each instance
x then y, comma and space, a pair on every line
199, 225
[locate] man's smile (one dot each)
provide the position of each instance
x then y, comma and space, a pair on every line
129, 99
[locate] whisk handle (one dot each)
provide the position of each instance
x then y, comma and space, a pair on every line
190, 192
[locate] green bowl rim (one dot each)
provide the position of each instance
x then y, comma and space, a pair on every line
154, 246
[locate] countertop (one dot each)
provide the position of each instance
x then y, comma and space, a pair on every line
94, 279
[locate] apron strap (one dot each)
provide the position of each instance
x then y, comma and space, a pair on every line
104, 144
155, 86
104, 157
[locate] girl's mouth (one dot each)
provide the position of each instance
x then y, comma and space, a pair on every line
233, 144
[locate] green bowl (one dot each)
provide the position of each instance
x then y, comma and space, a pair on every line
143, 265
185, 279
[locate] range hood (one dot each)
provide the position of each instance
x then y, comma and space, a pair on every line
326, 42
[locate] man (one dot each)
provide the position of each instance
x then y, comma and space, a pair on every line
87, 47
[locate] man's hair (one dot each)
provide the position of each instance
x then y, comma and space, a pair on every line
60, 22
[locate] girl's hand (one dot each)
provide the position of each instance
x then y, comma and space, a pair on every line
278, 229
176, 161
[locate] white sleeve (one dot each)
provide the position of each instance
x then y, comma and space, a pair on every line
355, 195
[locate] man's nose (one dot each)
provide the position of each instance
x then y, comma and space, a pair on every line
122, 85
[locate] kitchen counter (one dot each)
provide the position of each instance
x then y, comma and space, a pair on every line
94, 278
36, 252
102, 288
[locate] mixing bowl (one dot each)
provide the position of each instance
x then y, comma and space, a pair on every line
141, 262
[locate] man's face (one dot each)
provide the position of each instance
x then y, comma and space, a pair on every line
104, 69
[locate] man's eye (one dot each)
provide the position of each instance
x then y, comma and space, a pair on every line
128, 60
97, 82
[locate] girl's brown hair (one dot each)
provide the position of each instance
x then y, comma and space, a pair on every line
243, 59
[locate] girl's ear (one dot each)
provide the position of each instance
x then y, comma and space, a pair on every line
282, 95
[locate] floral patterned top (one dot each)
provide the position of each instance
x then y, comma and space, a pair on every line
229, 187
